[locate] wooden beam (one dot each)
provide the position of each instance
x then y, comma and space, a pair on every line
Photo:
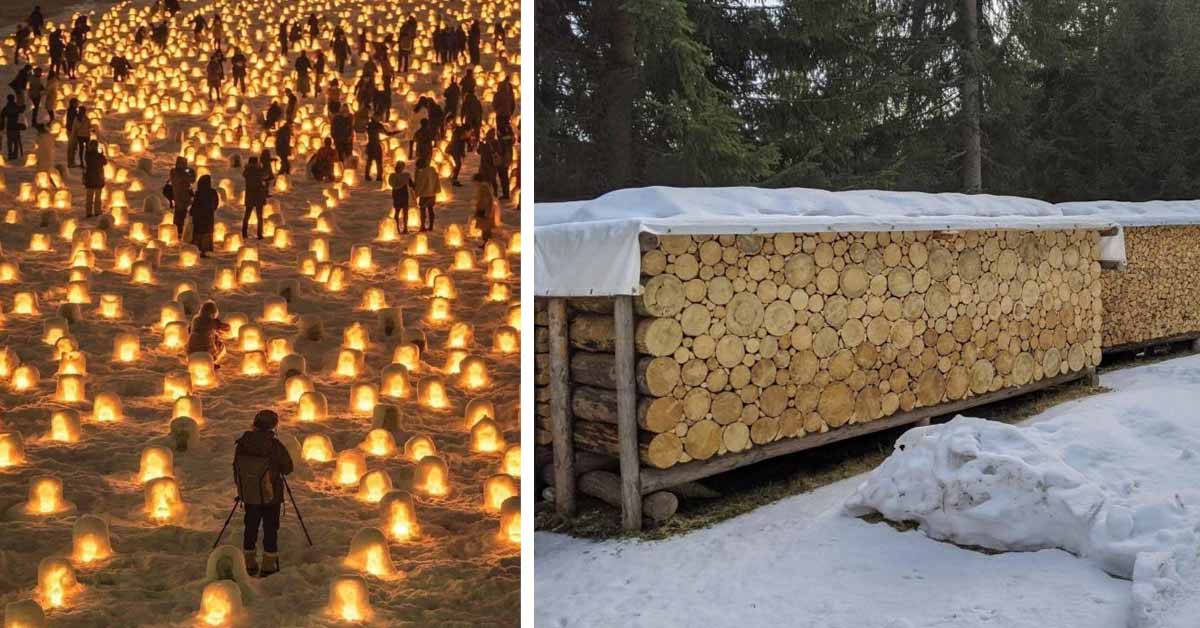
659, 479
627, 426
1149, 344
560, 409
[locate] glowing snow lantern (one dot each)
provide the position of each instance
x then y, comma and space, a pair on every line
360, 257
249, 273
295, 386
275, 310
156, 462
250, 337
349, 363
439, 310
281, 238
409, 270
175, 335
90, 540
373, 299
511, 464
278, 349
492, 251
463, 260
235, 322
53, 329
369, 553
319, 247
453, 236
506, 340
70, 389
12, 449
431, 391
24, 614
373, 486
496, 489
514, 316
107, 408
407, 355
163, 502
356, 337
189, 256
379, 442
394, 381
387, 231
336, 282
200, 368
431, 476
25, 377
142, 272
419, 245
39, 243
311, 407
254, 363
486, 436
176, 385
127, 347
351, 466
170, 312
399, 516
110, 306
25, 303
9, 272
477, 410
64, 426
188, 406
348, 600
56, 581
461, 336
363, 397
70, 361
317, 448
226, 279
473, 373
220, 604
510, 520
443, 287
498, 269
46, 497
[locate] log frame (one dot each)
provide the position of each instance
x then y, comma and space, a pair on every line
653, 480
560, 410
627, 427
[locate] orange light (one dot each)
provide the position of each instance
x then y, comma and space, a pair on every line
351, 466
46, 496
311, 407
399, 516
379, 442
348, 599
127, 347
511, 464
486, 436
163, 503
373, 486
317, 448
12, 449
369, 553
496, 489
431, 476
56, 582
156, 462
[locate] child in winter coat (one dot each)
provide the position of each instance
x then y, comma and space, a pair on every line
205, 332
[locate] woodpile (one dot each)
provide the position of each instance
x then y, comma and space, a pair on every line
1156, 297
746, 340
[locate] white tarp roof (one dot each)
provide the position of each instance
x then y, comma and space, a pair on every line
586, 248
1145, 214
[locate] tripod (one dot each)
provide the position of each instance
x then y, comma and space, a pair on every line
238, 499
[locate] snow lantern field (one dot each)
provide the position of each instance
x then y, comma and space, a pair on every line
1110, 479
391, 359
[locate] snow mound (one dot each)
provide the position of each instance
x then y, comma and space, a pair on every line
1003, 487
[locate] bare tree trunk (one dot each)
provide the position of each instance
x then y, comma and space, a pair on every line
617, 89
972, 151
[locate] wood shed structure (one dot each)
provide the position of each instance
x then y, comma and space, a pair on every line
1151, 288
686, 332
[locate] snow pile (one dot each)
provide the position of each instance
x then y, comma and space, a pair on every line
1144, 214
1110, 479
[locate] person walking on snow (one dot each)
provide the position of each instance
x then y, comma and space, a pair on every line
260, 463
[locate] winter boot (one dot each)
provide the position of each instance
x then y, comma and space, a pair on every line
270, 564
251, 561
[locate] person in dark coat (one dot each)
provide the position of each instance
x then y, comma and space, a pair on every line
375, 131
238, 63
453, 96
204, 214
458, 150
256, 195
274, 115
292, 103
182, 178
260, 449
93, 177
401, 183
342, 131
321, 166
472, 113
11, 113
37, 21
283, 147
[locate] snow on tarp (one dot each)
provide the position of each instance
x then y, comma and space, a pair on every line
585, 248
1144, 214
1110, 479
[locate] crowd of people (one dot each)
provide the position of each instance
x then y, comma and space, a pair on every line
357, 93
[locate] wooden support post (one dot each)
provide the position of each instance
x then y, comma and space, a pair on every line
560, 409
627, 426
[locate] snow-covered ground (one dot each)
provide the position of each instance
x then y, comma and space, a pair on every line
1112, 478
458, 571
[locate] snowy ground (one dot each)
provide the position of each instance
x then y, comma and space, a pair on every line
1111, 477
457, 573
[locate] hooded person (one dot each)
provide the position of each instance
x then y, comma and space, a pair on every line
204, 334
256, 195
259, 463
182, 178
204, 213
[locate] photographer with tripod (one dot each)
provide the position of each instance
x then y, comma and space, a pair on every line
260, 463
